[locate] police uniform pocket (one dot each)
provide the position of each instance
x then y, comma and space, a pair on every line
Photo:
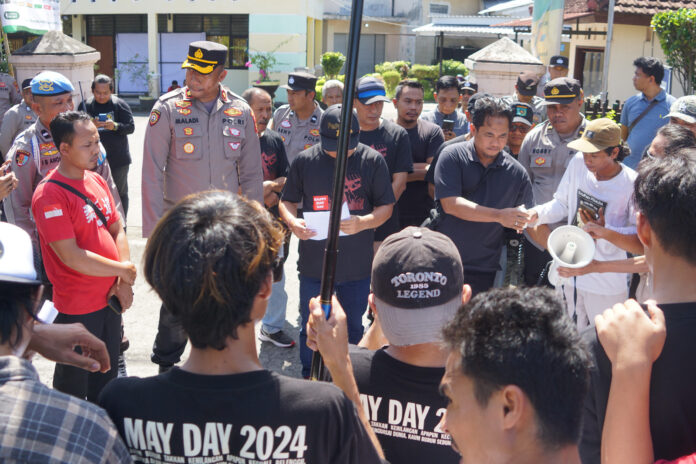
189, 144
541, 160
232, 138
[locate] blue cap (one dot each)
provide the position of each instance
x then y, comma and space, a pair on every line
370, 90
50, 83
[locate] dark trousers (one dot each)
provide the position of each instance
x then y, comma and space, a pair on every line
479, 281
353, 297
106, 325
535, 261
170, 341
120, 176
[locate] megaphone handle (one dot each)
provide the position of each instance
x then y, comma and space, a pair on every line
575, 300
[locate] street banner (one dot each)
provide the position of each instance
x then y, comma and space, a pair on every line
547, 26
33, 16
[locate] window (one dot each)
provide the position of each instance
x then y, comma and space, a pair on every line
229, 30
114, 24
439, 8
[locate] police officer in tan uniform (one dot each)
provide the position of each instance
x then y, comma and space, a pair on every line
33, 152
9, 94
545, 155
17, 118
298, 121
199, 137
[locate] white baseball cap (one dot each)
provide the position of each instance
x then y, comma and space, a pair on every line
16, 256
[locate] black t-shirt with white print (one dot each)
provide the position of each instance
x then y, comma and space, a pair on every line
392, 142
367, 185
404, 407
254, 417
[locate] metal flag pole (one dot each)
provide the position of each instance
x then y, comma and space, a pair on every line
331, 253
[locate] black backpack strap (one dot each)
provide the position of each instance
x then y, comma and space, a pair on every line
74, 191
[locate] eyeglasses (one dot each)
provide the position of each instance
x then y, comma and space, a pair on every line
468, 92
521, 128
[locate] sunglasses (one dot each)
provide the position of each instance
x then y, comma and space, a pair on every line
521, 128
468, 92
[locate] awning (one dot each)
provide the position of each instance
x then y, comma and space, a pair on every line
470, 31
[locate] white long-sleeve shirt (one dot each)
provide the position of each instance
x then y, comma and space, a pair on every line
615, 196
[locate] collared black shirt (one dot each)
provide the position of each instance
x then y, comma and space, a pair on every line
503, 184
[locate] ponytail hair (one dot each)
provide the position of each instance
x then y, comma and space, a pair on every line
624, 151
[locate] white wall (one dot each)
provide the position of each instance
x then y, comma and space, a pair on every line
628, 43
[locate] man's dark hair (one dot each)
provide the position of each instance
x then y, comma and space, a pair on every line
474, 98
63, 126
15, 300
490, 107
175, 82
251, 92
664, 194
651, 67
207, 259
412, 83
103, 79
677, 137
624, 151
447, 82
523, 337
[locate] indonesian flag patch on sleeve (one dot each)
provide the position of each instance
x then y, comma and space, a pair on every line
52, 211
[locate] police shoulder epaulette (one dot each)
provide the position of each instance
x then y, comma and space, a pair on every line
172, 94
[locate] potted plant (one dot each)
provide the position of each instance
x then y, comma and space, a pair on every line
138, 72
331, 63
266, 62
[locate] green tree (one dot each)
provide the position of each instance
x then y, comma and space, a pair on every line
677, 33
332, 62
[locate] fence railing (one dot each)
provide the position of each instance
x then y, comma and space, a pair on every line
594, 109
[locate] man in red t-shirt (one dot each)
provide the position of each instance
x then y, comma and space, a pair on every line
84, 248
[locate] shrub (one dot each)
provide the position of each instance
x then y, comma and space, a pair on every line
391, 80
452, 68
402, 67
425, 71
332, 62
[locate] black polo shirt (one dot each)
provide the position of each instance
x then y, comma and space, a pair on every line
503, 184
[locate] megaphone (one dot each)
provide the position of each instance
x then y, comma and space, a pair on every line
569, 246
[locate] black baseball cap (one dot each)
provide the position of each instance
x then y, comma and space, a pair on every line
330, 128
527, 83
562, 90
559, 60
417, 278
301, 81
370, 90
26, 84
204, 56
468, 85
522, 112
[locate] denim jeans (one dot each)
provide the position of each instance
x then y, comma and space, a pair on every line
274, 319
353, 297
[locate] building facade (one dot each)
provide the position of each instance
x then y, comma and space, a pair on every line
143, 42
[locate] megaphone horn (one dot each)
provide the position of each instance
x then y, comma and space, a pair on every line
569, 246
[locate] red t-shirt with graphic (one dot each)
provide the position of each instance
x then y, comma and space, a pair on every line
62, 215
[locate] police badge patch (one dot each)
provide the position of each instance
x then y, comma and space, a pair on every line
233, 112
21, 157
154, 117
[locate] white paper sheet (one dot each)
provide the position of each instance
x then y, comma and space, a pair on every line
318, 221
